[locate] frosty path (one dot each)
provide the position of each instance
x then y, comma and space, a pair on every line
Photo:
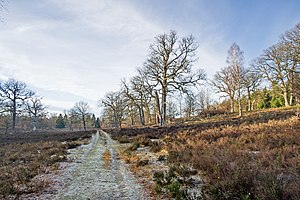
97, 173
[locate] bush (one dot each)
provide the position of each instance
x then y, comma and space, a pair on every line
133, 147
169, 182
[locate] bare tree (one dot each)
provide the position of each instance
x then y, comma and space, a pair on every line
230, 79
251, 82
36, 109
224, 83
235, 61
273, 66
81, 109
204, 100
136, 92
279, 63
14, 93
169, 66
116, 105
190, 104
292, 40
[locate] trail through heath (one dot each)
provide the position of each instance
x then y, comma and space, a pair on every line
97, 173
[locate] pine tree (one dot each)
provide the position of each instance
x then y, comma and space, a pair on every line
60, 123
97, 123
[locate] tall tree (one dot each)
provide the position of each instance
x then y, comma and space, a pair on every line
229, 80
279, 63
273, 66
81, 110
235, 61
116, 105
292, 40
169, 66
36, 109
14, 94
224, 83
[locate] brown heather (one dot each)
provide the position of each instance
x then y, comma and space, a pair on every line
257, 161
23, 160
254, 157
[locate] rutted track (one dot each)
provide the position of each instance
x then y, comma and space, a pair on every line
93, 177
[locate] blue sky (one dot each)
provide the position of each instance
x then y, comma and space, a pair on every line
72, 50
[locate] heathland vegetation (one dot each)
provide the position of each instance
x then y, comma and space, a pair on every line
254, 157
26, 157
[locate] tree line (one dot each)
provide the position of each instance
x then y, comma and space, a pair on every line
166, 86
23, 108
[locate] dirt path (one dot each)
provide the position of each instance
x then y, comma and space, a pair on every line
97, 173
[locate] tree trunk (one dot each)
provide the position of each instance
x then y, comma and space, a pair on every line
131, 115
252, 104
147, 115
291, 99
34, 123
240, 104
231, 104
131, 118
116, 122
142, 116
83, 120
14, 115
120, 123
286, 98
157, 109
249, 108
164, 106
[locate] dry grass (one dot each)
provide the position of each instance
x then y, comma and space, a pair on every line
254, 157
20, 163
23, 160
257, 161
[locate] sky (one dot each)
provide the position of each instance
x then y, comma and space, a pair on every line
78, 50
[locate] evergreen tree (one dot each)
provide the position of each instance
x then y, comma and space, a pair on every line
97, 123
60, 123
264, 99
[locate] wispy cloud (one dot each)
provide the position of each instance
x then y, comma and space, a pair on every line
86, 52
